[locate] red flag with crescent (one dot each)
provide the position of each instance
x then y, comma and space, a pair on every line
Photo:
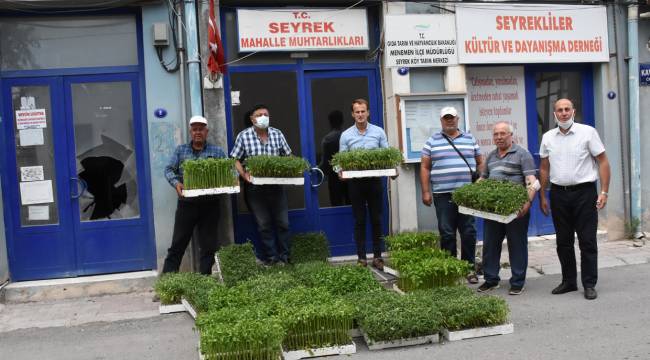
216, 63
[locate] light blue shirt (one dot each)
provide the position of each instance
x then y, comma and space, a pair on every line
374, 137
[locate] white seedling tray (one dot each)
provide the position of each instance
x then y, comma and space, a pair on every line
212, 191
398, 290
380, 345
332, 350
172, 308
350, 174
486, 215
277, 181
189, 308
478, 332
202, 357
391, 271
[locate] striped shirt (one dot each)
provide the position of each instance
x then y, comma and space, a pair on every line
514, 166
374, 137
249, 144
448, 169
174, 170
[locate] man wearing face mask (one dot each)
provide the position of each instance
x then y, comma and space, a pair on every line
268, 203
572, 158
200, 212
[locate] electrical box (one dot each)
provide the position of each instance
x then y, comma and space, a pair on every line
160, 34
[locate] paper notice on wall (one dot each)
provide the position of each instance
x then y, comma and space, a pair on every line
31, 137
31, 173
234, 98
36, 192
31, 119
27, 102
39, 212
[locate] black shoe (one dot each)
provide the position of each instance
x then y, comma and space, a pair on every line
486, 286
590, 294
516, 290
378, 263
564, 288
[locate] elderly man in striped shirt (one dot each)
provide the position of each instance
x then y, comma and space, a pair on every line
443, 169
513, 163
268, 203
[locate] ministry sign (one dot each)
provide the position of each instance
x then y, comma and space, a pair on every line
495, 33
302, 29
420, 40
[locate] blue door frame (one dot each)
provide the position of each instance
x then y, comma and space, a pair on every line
71, 247
337, 222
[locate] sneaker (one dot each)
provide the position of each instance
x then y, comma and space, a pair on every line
516, 290
378, 263
472, 278
362, 262
486, 286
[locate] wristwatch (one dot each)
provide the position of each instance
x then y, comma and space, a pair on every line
604, 193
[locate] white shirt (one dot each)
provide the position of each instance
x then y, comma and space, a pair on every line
572, 155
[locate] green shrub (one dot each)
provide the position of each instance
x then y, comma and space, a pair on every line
461, 308
276, 166
237, 263
308, 247
432, 272
494, 196
412, 240
367, 159
400, 258
339, 280
209, 173
386, 315
170, 287
240, 333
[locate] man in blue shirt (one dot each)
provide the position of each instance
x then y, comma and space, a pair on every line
363, 135
200, 212
442, 171
268, 203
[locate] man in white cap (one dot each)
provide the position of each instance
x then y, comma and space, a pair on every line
450, 159
200, 212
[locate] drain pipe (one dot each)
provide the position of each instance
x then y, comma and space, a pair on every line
193, 59
180, 39
635, 127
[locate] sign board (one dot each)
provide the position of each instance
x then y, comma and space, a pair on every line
531, 33
31, 119
644, 74
420, 118
420, 40
496, 94
302, 29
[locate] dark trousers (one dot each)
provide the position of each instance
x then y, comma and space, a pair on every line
517, 234
200, 213
574, 211
449, 221
366, 191
270, 208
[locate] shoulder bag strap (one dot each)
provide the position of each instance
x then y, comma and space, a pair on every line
459, 153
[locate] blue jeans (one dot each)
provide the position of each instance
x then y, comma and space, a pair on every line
517, 234
450, 220
269, 206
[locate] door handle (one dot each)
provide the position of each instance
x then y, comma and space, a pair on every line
77, 194
322, 177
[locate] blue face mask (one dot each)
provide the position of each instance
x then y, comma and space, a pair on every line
262, 122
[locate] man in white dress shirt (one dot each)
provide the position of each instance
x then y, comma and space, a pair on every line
573, 157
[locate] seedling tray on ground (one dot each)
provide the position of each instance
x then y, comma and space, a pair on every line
220, 355
486, 215
331, 350
350, 174
212, 191
171, 308
391, 271
189, 308
277, 181
420, 340
398, 290
478, 332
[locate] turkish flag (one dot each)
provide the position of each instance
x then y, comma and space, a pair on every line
216, 63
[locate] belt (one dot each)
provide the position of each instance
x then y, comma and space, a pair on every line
573, 187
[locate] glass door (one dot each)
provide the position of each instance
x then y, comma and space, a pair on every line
546, 84
77, 190
37, 188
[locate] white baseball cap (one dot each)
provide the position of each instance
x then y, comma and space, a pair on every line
198, 120
449, 110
